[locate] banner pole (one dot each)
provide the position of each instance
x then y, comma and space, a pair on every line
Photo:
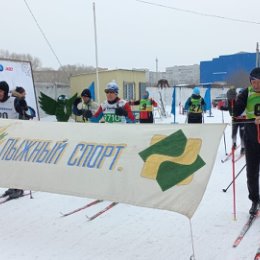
192, 257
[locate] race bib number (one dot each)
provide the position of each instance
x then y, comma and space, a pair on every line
112, 118
195, 108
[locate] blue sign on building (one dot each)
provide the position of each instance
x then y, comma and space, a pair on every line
222, 68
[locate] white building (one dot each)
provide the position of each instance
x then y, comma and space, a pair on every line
189, 74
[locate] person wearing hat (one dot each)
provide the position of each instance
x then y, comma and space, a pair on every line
195, 106
84, 107
114, 109
237, 123
248, 101
146, 105
25, 112
8, 111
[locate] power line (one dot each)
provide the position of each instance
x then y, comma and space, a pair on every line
44, 36
199, 13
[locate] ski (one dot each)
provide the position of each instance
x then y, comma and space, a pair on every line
229, 155
245, 228
102, 211
239, 157
257, 255
4, 200
7, 198
81, 208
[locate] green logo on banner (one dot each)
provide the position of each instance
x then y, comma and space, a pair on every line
2, 133
172, 160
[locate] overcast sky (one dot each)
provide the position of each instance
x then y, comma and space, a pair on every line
130, 33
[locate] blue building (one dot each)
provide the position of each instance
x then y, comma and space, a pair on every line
225, 67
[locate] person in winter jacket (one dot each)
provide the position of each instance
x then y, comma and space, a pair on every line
8, 111
195, 105
114, 109
25, 112
237, 122
249, 101
146, 105
84, 107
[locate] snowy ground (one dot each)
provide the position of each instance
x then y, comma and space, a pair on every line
33, 229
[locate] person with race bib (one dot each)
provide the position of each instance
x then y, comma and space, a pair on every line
248, 101
8, 111
146, 105
195, 105
113, 109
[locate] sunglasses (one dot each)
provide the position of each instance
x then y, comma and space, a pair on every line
109, 91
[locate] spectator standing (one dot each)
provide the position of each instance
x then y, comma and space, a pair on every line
8, 111
84, 107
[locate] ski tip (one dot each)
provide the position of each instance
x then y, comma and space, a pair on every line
192, 257
88, 218
224, 190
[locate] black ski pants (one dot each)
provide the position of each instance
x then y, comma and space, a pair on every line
252, 152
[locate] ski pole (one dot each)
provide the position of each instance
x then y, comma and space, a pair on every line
224, 190
224, 136
31, 197
234, 184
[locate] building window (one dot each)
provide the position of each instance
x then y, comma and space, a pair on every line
128, 90
142, 89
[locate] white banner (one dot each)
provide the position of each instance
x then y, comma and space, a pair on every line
157, 166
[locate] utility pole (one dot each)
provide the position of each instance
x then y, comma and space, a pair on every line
257, 56
96, 52
156, 69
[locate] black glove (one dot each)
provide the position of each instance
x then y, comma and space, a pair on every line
144, 107
77, 101
75, 110
231, 94
87, 114
121, 111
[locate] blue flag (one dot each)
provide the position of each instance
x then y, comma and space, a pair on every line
207, 99
92, 90
173, 110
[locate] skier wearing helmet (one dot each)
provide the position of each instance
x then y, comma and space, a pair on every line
114, 109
